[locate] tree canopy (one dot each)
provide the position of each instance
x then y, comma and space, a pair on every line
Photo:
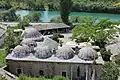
110, 71
100, 31
65, 9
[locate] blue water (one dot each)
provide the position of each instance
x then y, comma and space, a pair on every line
46, 16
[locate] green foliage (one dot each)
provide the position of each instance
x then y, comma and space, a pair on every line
78, 5
12, 39
55, 37
8, 15
56, 20
117, 59
32, 17
96, 6
24, 77
2, 58
105, 54
3, 77
65, 9
60, 78
110, 71
4, 4
98, 30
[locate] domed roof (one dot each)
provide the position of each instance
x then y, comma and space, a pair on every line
43, 52
21, 51
87, 53
65, 52
48, 42
31, 33
51, 43
29, 42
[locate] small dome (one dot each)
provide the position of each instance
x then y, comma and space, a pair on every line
87, 53
43, 52
31, 33
65, 52
29, 42
51, 43
21, 51
48, 42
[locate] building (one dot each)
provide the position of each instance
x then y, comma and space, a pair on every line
3, 30
49, 28
40, 56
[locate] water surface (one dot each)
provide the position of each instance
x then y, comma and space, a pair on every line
46, 16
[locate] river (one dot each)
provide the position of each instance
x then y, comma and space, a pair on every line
46, 16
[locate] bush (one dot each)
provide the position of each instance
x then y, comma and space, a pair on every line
8, 15
60, 78
110, 71
24, 77
2, 58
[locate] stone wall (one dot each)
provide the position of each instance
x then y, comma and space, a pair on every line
50, 69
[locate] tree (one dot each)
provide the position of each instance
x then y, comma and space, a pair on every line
100, 31
117, 59
55, 37
65, 9
105, 54
8, 15
11, 40
110, 71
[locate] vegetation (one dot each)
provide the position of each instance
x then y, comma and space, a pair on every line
32, 17
2, 58
8, 15
110, 71
3, 77
111, 6
24, 77
117, 59
96, 6
12, 39
100, 31
55, 37
56, 19
65, 9
105, 54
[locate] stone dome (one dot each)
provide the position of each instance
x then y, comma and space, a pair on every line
65, 52
29, 42
87, 53
31, 33
48, 42
21, 51
43, 52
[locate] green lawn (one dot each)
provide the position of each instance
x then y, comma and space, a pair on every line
2, 57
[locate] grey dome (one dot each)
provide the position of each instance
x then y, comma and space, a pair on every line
51, 43
43, 52
31, 33
87, 53
65, 52
21, 51
29, 42
48, 42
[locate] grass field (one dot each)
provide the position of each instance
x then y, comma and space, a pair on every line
2, 57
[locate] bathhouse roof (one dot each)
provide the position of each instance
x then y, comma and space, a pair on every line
87, 53
32, 33
65, 52
43, 52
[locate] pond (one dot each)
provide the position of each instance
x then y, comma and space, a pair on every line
46, 16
